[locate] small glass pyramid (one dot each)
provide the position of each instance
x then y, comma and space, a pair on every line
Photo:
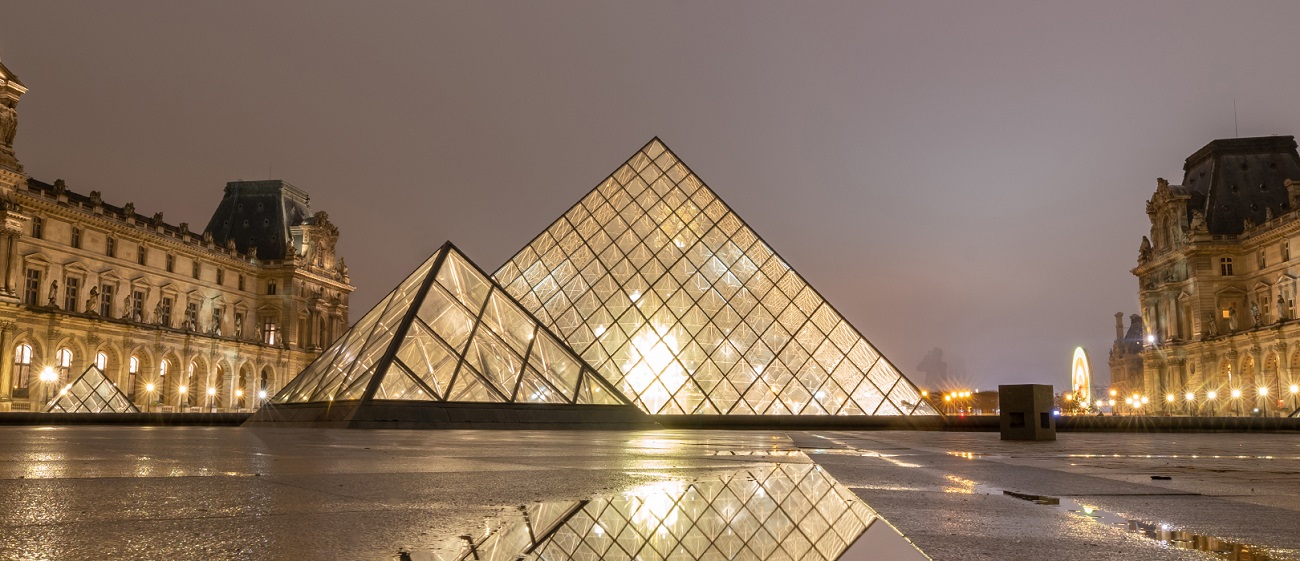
449, 333
91, 392
662, 288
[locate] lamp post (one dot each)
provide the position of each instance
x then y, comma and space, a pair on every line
1295, 389
1190, 398
148, 392
212, 400
261, 396
239, 397
1209, 400
180, 397
1169, 404
1263, 394
48, 376
1236, 398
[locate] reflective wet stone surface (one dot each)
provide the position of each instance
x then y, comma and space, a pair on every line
233, 493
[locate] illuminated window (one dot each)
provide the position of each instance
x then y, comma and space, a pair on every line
132, 373
63, 363
101, 361
1225, 266
270, 331
22, 366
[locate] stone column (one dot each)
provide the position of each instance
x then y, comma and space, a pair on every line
7, 329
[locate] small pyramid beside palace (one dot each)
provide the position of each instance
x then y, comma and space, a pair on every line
91, 392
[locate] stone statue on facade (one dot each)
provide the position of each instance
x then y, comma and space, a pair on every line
1281, 308
1144, 251
1198, 222
129, 305
8, 125
1232, 318
92, 303
157, 312
1254, 312
54, 293
1212, 325
129, 210
239, 330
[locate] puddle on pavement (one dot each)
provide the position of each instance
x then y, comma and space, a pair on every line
779, 511
1164, 533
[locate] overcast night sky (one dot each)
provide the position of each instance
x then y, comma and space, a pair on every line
963, 175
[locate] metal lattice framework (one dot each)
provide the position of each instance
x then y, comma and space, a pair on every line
449, 333
664, 290
91, 392
784, 511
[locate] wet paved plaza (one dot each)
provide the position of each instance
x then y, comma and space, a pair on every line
234, 493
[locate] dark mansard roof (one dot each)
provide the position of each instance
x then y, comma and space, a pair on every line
259, 214
1235, 179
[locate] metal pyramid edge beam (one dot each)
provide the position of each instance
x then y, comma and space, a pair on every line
670, 295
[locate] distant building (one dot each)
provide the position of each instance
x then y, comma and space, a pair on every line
1125, 357
1217, 282
238, 308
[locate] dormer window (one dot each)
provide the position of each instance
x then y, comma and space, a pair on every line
1225, 266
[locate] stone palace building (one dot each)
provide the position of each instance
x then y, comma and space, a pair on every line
176, 318
1217, 285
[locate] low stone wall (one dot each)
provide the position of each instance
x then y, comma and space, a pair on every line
432, 415
23, 418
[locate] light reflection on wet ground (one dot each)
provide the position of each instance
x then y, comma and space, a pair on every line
778, 511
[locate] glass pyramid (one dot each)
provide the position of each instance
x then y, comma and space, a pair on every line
662, 288
91, 392
782, 511
448, 333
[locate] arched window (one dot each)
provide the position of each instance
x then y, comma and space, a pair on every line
192, 396
101, 361
22, 367
261, 385
164, 368
132, 373
63, 364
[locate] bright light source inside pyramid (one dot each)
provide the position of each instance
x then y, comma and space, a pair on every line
656, 364
600, 330
679, 244
636, 294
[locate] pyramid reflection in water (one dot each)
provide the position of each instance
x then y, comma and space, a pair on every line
662, 288
782, 511
91, 392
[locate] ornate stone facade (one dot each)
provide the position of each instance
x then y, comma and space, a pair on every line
226, 313
1217, 284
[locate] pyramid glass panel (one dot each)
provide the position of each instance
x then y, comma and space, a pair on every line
449, 333
91, 392
683, 307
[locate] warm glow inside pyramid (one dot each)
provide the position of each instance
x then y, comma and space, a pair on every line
448, 334
663, 289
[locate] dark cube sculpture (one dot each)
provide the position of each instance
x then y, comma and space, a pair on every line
1026, 412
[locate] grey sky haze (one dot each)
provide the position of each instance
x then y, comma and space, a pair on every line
962, 175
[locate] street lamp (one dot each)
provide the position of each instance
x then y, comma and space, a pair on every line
148, 391
1263, 394
47, 376
1189, 397
212, 400
261, 395
1236, 398
239, 397
1209, 397
1295, 389
180, 396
